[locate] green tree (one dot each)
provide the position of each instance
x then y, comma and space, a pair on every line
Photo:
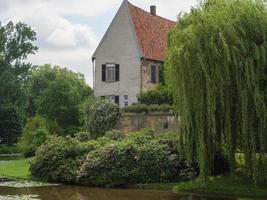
15, 45
57, 94
217, 69
40, 78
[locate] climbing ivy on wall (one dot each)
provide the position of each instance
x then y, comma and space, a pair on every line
217, 69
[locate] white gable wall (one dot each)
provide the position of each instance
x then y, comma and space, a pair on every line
119, 46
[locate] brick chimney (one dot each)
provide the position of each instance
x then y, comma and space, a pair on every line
153, 10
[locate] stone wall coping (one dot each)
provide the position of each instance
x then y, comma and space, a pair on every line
125, 114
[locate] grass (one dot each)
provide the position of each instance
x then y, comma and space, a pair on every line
223, 186
18, 169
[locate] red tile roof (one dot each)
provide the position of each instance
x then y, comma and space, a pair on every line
151, 31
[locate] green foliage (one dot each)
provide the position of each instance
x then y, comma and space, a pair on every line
41, 78
38, 138
161, 95
7, 149
171, 140
143, 108
136, 108
57, 94
59, 102
31, 128
137, 159
58, 160
114, 135
15, 45
112, 160
234, 185
216, 67
83, 136
100, 116
10, 124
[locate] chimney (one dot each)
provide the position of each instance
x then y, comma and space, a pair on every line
153, 10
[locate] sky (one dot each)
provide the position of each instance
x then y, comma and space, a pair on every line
68, 31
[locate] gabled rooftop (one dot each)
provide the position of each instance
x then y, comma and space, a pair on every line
151, 32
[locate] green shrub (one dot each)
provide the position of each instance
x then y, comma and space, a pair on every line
83, 136
101, 116
137, 159
35, 129
141, 137
38, 138
5, 149
158, 96
143, 108
136, 108
59, 159
171, 140
114, 135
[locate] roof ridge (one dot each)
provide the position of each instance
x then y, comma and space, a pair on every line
150, 13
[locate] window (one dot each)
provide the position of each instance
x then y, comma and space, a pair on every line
125, 100
110, 72
153, 74
114, 98
111, 98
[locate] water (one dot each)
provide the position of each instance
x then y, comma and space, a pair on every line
37, 191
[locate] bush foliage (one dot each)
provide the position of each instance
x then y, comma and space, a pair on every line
100, 116
139, 158
144, 108
112, 160
34, 134
58, 160
158, 96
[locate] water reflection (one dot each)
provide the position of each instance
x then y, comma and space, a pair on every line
85, 193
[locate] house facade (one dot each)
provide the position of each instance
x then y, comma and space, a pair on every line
130, 55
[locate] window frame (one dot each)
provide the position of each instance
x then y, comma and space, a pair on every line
153, 68
126, 100
111, 76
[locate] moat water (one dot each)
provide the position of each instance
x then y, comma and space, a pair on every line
37, 191
29, 190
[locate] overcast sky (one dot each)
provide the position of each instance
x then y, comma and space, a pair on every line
69, 31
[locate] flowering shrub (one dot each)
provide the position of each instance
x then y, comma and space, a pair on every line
112, 160
59, 159
140, 158
101, 116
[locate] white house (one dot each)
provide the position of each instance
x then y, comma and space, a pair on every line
128, 58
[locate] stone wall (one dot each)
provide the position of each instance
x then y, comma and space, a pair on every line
159, 122
146, 84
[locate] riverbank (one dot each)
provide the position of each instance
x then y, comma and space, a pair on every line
222, 186
15, 169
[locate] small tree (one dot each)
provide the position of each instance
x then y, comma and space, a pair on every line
34, 133
100, 116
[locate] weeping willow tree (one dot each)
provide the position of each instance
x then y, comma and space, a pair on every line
217, 69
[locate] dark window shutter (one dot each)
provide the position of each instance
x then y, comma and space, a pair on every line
103, 73
117, 75
117, 100
153, 74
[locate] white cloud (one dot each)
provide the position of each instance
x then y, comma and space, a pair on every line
68, 43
